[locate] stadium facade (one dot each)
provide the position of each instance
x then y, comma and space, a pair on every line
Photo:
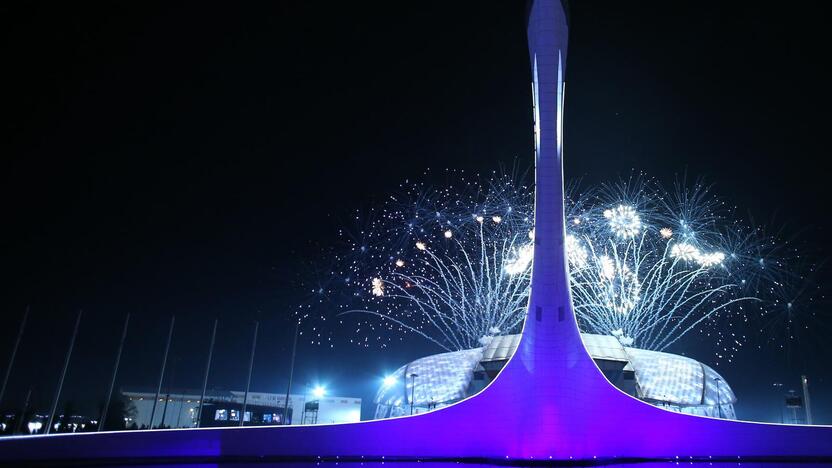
666, 380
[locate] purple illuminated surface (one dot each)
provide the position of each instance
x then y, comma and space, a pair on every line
550, 401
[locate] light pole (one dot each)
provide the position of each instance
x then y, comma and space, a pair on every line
115, 373
313, 406
807, 406
162, 374
291, 374
207, 370
63, 375
718, 398
413, 392
19, 425
250, 368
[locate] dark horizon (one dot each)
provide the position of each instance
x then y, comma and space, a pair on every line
191, 160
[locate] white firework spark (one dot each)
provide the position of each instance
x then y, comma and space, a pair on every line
624, 221
575, 252
519, 261
378, 287
710, 259
684, 251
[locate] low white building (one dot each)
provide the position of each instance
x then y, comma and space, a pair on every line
180, 409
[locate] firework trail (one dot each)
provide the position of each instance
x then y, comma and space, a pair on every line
452, 265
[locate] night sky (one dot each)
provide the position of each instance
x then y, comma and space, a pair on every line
192, 160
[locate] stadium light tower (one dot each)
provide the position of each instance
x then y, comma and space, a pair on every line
389, 381
807, 405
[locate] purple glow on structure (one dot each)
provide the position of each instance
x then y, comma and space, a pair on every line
549, 402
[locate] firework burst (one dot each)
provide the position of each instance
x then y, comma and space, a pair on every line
452, 265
